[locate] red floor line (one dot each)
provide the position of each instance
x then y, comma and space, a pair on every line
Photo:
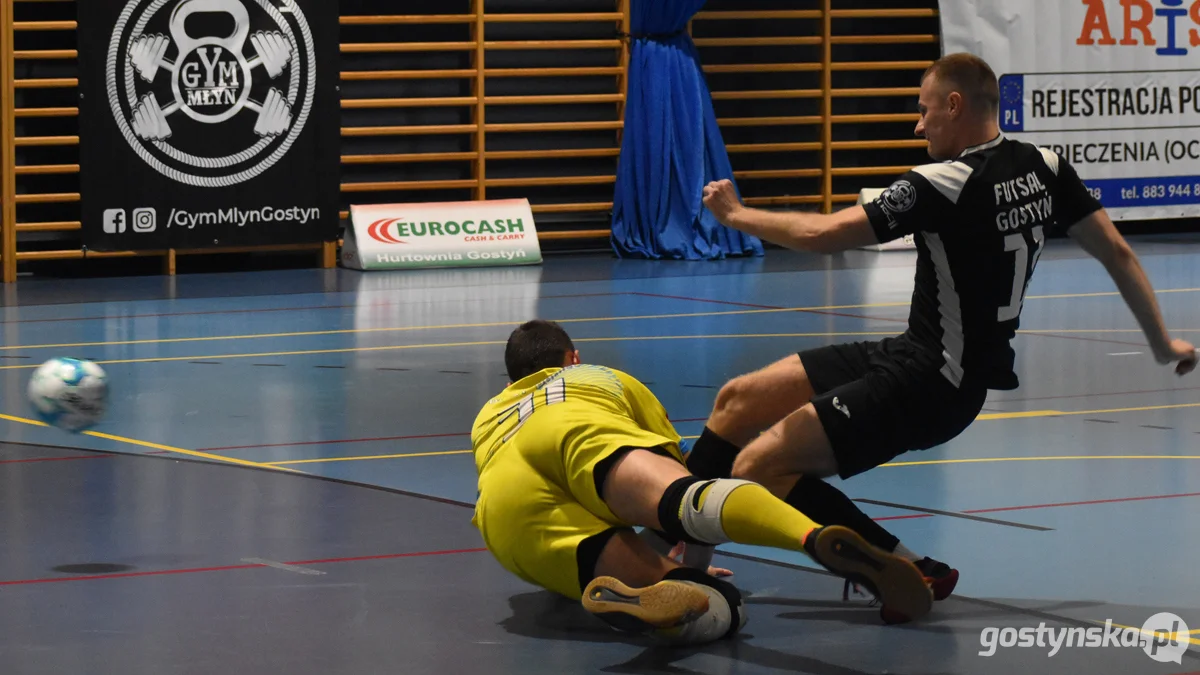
364, 440
392, 556
680, 420
171, 314
708, 300
870, 318
801, 310
198, 570
125, 575
1086, 503
855, 316
1110, 393
51, 459
368, 440
227, 568
586, 295
1087, 339
1044, 506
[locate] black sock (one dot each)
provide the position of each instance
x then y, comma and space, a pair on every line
712, 456
830, 506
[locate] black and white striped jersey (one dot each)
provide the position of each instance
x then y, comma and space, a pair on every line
980, 223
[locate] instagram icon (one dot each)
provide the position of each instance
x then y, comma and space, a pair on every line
145, 220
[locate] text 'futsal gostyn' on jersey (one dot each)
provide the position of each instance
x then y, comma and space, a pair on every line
980, 223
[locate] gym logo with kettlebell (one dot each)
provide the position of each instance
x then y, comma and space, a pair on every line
205, 92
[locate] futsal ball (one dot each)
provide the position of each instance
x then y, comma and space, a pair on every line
71, 394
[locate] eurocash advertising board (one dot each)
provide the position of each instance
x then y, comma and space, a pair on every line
1111, 85
452, 234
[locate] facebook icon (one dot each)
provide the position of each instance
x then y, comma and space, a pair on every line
114, 221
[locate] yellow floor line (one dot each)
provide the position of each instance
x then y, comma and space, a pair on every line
985, 460
404, 329
306, 352
387, 329
1179, 636
980, 460
1174, 406
990, 416
385, 348
154, 446
393, 329
366, 457
1018, 415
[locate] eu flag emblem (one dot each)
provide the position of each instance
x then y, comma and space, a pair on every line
1012, 103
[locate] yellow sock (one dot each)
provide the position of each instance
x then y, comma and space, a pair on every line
754, 516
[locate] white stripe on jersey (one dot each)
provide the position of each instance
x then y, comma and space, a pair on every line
1051, 159
949, 177
594, 376
950, 308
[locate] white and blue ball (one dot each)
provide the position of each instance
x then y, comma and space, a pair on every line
71, 394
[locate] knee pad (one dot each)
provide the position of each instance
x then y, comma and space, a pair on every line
726, 613
688, 513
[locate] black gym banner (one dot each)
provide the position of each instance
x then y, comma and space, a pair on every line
208, 123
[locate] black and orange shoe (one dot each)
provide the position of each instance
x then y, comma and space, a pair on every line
942, 578
896, 582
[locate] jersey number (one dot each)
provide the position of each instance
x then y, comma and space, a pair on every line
1016, 243
555, 392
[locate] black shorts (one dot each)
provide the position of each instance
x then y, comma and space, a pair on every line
587, 554
878, 400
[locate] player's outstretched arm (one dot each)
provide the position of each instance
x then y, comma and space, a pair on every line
812, 232
1097, 235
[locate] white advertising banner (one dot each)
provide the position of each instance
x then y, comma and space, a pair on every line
447, 234
1111, 85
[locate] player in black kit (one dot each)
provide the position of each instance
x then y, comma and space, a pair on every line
981, 216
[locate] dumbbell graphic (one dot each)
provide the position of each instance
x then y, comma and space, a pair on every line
210, 72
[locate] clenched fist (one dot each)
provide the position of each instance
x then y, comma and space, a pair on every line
722, 200
1182, 353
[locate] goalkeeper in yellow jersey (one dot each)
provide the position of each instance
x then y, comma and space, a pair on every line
572, 457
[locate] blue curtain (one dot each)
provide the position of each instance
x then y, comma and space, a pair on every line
672, 146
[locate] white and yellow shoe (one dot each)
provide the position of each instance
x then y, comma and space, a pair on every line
674, 611
663, 605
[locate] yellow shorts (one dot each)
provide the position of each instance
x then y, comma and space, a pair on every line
537, 496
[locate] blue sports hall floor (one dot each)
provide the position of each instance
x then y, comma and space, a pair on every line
283, 484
